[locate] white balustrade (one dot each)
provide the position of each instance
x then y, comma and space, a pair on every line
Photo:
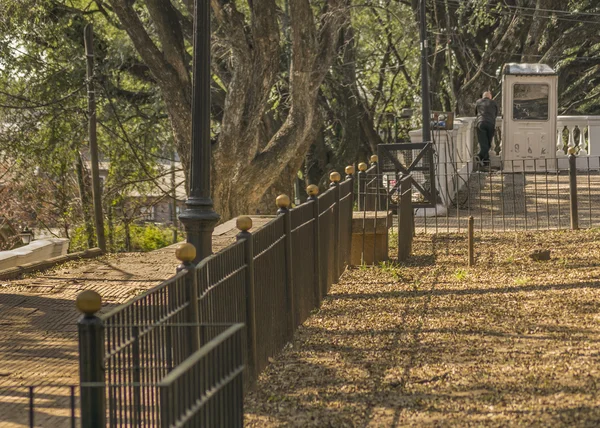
456, 148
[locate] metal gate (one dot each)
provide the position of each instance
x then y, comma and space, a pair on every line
413, 160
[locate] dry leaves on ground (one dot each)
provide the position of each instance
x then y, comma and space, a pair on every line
509, 342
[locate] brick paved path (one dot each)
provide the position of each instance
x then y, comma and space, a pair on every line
38, 334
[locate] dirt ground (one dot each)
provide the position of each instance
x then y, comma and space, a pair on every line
434, 343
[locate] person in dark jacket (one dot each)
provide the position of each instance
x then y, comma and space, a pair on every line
486, 111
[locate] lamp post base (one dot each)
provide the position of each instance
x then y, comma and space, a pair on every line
199, 220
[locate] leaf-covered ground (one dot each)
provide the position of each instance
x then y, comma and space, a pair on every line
509, 342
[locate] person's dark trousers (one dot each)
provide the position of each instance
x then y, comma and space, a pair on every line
485, 136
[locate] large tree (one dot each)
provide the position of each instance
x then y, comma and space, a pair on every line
248, 155
472, 40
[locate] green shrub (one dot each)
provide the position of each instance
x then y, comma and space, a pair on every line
144, 237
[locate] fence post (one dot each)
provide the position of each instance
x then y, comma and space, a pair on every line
313, 191
362, 183
186, 254
283, 202
405, 220
377, 199
244, 224
349, 177
91, 361
573, 189
335, 178
471, 231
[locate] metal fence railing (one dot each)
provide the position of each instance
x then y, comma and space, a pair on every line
518, 195
146, 362
41, 405
206, 390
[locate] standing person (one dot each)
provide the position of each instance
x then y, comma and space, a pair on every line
486, 111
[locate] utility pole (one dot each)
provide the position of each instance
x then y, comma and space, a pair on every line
425, 77
96, 191
199, 217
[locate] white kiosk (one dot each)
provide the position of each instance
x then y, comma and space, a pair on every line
529, 107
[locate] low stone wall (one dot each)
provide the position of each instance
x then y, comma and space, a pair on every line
36, 251
370, 237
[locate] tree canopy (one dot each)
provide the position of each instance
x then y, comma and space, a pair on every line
299, 87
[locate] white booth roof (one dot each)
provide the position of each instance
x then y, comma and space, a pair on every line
528, 69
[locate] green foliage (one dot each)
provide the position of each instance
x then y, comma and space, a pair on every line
144, 237
460, 274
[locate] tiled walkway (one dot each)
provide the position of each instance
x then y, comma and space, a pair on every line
38, 323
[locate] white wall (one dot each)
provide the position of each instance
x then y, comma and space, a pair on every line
36, 251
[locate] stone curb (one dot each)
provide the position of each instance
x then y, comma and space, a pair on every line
17, 271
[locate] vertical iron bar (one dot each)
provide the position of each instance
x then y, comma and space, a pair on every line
491, 198
290, 307
469, 170
547, 194
374, 233
137, 402
513, 175
317, 245
471, 239
525, 193
589, 190
72, 388
457, 194
251, 364
558, 194
448, 197
31, 410
535, 191
336, 225
573, 191
502, 200
91, 361
362, 178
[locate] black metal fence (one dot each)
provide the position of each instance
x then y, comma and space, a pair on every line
206, 390
146, 362
518, 195
42, 405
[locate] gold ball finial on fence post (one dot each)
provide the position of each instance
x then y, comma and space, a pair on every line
374, 159
88, 302
243, 223
349, 171
571, 151
185, 253
362, 167
335, 177
312, 191
283, 202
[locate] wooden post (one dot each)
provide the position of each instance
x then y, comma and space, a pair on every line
96, 190
471, 241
